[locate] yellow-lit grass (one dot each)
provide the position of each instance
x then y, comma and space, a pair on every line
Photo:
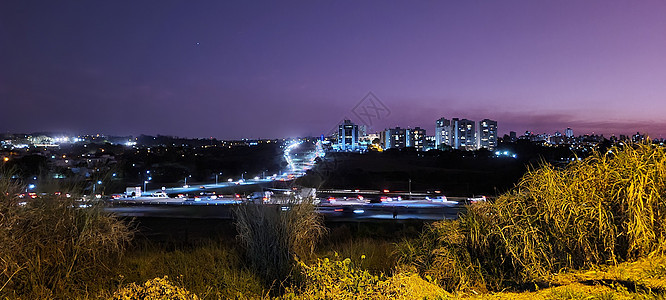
342, 279
604, 209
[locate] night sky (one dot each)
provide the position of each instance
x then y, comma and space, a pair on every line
245, 69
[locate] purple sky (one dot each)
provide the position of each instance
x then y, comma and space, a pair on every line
234, 69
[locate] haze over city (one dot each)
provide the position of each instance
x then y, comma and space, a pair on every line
264, 69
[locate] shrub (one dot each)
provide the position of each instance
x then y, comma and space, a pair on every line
606, 208
158, 288
441, 253
50, 247
272, 238
341, 279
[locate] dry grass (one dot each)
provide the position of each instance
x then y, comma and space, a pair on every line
641, 279
49, 246
157, 288
211, 271
378, 255
605, 209
342, 279
273, 238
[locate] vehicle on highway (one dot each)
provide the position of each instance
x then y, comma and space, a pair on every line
473, 199
440, 198
326, 199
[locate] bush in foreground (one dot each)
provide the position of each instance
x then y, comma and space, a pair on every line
272, 237
51, 248
340, 279
605, 209
158, 288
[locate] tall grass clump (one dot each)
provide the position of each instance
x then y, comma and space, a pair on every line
274, 236
51, 248
604, 209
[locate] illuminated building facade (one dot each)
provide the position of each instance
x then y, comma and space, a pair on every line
487, 134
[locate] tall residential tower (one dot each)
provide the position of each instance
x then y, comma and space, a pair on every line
443, 134
488, 134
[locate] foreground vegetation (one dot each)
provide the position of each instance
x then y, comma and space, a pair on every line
49, 247
605, 209
593, 229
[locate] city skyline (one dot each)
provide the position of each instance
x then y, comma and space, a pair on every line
269, 70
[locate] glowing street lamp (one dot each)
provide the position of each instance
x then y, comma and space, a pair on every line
99, 182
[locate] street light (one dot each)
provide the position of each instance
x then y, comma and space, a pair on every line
99, 182
145, 182
216, 176
186, 180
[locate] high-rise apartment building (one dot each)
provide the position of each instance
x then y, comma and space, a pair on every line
487, 134
403, 138
347, 136
418, 138
396, 138
464, 134
429, 143
443, 134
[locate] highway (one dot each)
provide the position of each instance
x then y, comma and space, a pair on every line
300, 158
216, 201
340, 211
